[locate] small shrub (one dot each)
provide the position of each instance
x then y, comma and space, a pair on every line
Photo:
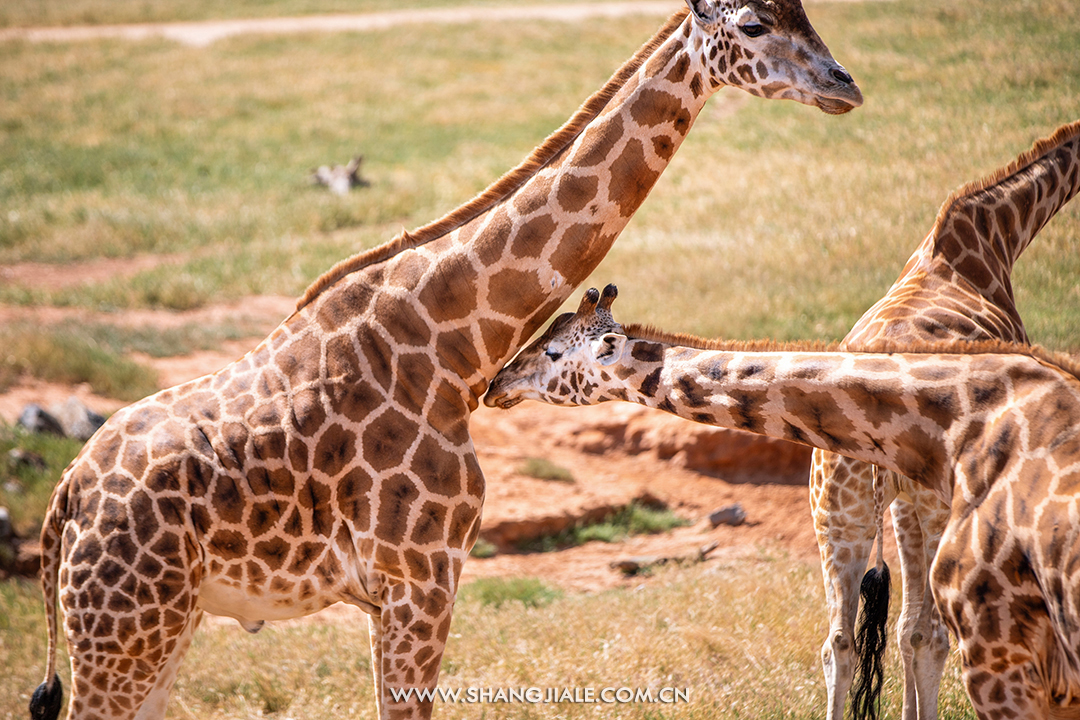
495, 591
632, 519
483, 549
542, 469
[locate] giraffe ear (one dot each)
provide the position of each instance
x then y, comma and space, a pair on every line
608, 348
703, 10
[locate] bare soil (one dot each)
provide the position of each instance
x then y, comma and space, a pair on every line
778, 518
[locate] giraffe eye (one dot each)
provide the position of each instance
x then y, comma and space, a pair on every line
553, 355
753, 30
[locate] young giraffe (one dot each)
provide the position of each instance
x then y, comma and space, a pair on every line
955, 286
989, 427
333, 463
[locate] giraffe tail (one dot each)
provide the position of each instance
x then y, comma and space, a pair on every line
47, 699
871, 635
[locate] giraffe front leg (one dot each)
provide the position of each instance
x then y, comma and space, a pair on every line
412, 630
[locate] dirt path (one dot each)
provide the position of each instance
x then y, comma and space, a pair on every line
200, 34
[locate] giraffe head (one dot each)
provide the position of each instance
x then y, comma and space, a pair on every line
769, 49
568, 363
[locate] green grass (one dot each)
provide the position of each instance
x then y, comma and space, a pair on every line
71, 358
742, 637
544, 469
632, 519
497, 591
775, 220
25, 489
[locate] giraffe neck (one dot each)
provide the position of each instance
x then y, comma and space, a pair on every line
911, 413
480, 289
957, 283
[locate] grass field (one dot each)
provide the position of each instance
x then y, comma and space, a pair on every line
774, 220
741, 637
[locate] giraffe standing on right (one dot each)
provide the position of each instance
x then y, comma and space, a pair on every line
956, 286
991, 426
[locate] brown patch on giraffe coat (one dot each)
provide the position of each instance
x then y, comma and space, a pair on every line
461, 521
314, 497
678, 70
146, 524
416, 563
531, 237
396, 497
415, 373
263, 517
647, 352
228, 544
450, 291
631, 178
387, 439
575, 192
429, 525
448, 416
879, 401
406, 269
939, 405
304, 555
439, 470
921, 456
342, 362
496, 337
405, 323
581, 247
273, 551
663, 146
457, 351
378, 354
307, 411
526, 203
347, 301
598, 142
354, 400
511, 290
335, 449
353, 498
821, 415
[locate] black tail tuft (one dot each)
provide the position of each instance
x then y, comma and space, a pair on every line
870, 644
47, 699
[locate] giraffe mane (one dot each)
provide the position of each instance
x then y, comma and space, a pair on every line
1040, 148
508, 183
1064, 362
650, 333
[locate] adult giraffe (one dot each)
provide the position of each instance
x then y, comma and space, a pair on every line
992, 427
333, 462
956, 285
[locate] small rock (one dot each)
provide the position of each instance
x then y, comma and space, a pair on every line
36, 420
728, 515
77, 420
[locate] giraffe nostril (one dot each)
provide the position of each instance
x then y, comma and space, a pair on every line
841, 76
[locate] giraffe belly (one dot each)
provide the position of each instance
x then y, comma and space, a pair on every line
252, 607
